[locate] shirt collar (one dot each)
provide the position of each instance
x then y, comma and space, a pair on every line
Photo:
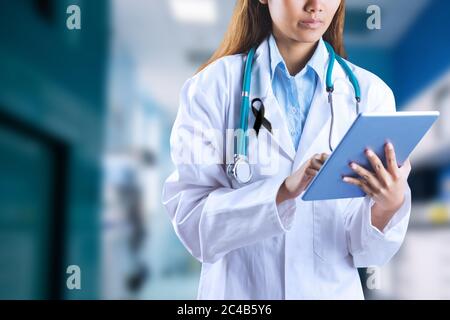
317, 62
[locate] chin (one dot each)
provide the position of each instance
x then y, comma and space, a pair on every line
308, 36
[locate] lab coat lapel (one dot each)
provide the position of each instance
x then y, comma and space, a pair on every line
318, 119
261, 88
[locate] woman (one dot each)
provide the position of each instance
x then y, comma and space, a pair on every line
259, 240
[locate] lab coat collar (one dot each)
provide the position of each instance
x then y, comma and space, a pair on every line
316, 62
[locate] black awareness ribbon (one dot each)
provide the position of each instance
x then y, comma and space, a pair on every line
259, 117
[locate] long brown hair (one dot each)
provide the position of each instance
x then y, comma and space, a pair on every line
251, 24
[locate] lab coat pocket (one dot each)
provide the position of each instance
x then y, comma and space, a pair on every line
330, 242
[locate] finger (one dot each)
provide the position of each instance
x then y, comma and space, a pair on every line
311, 172
377, 165
318, 157
304, 165
366, 175
324, 157
316, 164
307, 181
391, 160
367, 189
361, 184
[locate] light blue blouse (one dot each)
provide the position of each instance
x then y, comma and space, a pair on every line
295, 93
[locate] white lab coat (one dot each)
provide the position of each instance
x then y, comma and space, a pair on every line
249, 247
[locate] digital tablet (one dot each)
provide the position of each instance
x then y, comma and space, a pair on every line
369, 130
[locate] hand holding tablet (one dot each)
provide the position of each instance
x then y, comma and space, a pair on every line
370, 131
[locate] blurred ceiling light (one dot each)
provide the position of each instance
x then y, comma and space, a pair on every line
194, 11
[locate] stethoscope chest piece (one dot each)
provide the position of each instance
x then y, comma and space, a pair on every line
240, 170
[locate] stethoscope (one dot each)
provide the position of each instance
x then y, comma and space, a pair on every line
240, 169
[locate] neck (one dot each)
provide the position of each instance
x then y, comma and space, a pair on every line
295, 54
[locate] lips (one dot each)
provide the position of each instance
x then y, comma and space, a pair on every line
311, 23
